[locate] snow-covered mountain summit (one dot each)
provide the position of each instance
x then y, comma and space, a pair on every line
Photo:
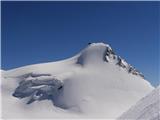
94, 83
96, 53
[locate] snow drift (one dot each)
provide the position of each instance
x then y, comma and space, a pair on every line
96, 83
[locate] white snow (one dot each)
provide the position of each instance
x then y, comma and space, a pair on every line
148, 108
93, 87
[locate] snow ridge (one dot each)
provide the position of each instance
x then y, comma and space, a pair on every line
148, 108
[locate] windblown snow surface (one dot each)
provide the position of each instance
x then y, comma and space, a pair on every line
96, 83
148, 108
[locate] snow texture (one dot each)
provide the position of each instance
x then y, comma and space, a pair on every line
148, 108
95, 83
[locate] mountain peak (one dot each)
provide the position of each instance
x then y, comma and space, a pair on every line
95, 79
94, 53
99, 44
99, 53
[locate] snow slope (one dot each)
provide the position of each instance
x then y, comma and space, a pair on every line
148, 108
96, 83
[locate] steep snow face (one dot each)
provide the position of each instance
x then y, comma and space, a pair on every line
148, 108
94, 54
94, 83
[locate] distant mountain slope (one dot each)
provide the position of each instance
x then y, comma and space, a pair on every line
148, 108
96, 83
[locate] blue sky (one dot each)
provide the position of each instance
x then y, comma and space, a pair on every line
36, 32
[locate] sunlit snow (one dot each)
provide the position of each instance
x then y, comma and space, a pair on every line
95, 83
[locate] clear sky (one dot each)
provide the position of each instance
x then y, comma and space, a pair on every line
37, 32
